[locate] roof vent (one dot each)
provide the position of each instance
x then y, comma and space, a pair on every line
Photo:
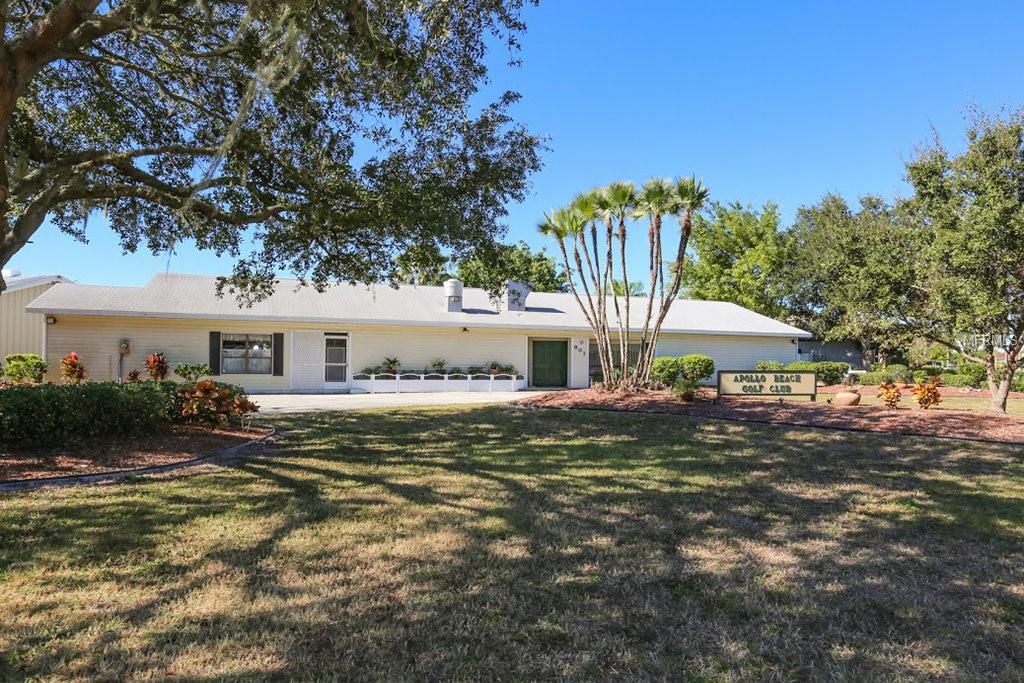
10, 272
515, 295
453, 295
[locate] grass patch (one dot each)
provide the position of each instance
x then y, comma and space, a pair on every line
488, 542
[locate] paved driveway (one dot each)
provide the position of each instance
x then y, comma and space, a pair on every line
273, 404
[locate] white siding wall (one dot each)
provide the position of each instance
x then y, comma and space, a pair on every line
20, 332
187, 341
729, 352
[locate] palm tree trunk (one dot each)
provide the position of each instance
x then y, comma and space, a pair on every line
625, 283
668, 297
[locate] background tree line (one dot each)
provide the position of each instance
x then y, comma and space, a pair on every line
944, 265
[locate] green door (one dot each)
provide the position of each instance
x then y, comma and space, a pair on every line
550, 363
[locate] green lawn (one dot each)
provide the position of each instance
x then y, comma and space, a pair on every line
493, 543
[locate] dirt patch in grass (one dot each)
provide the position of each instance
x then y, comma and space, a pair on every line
121, 453
946, 423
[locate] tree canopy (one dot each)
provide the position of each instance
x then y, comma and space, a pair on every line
969, 210
848, 273
738, 256
329, 135
491, 267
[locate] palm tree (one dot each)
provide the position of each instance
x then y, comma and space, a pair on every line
616, 203
687, 196
570, 224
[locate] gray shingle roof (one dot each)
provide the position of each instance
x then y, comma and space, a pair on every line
172, 295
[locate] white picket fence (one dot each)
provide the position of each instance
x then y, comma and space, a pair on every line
412, 383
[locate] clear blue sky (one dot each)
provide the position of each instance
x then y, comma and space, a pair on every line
778, 102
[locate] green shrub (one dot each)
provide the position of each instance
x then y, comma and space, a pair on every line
873, 378
55, 415
665, 371
697, 367
976, 374
1017, 384
25, 367
955, 379
193, 372
769, 366
829, 372
923, 375
686, 389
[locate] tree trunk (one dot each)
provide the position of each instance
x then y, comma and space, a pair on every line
1000, 393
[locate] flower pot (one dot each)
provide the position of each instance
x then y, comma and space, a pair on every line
846, 398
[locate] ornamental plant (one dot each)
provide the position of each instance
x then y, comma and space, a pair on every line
889, 394
697, 367
193, 372
686, 389
665, 371
927, 394
134, 375
25, 367
210, 403
72, 371
156, 366
391, 365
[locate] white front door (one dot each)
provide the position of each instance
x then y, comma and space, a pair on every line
319, 361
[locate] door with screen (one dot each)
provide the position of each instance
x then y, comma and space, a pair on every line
335, 359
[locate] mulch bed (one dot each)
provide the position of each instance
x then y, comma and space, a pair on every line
945, 423
122, 453
872, 390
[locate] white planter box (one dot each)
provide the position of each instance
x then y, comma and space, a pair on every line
388, 384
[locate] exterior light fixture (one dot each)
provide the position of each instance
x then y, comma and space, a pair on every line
50, 320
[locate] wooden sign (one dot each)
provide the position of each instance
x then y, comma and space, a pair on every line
776, 384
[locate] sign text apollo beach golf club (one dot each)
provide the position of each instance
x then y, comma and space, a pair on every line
755, 383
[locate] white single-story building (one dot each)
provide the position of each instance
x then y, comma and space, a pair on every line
301, 340
20, 330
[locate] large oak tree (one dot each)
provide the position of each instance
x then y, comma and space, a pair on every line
317, 137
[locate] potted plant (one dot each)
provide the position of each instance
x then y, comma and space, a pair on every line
391, 366
494, 367
437, 365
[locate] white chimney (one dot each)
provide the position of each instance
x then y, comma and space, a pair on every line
453, 295
515, 295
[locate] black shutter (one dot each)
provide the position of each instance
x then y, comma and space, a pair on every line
215, 353
278, 352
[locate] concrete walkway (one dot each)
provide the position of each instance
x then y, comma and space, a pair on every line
275, 404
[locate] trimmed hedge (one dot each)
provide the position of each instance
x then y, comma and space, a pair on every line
665, 370
64, 414
696, 367
974, 373
769, 366
57, 415
829, 372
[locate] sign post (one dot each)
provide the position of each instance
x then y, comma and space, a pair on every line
776, 384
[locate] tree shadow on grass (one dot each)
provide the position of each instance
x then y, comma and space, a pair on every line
494, 543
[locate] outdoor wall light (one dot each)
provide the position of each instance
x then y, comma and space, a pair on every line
50, 320
465, 329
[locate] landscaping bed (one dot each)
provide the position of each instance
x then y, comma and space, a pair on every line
872, 390
944, 423
174, 445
